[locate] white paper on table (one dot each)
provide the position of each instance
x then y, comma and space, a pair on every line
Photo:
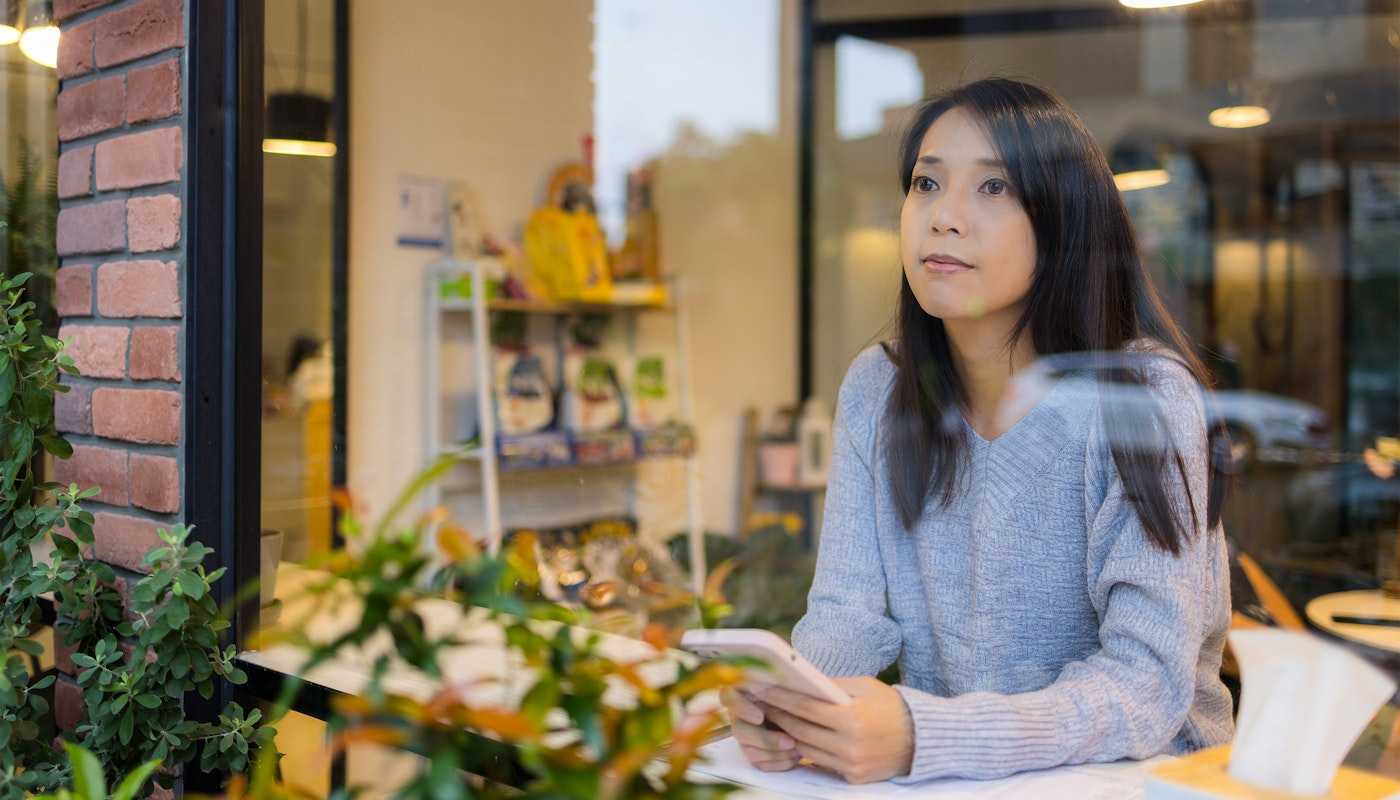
1122, 780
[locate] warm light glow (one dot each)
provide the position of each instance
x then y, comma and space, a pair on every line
9, 34
1239, 117
40, 45
1140, 179
298, 147
1156, 3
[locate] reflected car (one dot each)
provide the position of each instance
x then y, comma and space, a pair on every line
1268, 427
1245, 426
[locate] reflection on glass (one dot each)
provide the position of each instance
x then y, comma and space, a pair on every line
298, 203
28, 166
1265, 196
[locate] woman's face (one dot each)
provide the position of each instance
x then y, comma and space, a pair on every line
967, 245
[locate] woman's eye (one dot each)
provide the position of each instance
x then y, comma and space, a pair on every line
922, 184
995, 186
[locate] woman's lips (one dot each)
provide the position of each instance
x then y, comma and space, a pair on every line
939, 266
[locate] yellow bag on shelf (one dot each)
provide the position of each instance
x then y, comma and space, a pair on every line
563, 242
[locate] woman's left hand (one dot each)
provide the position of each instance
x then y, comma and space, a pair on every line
871, 739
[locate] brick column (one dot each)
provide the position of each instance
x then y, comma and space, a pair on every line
119, 290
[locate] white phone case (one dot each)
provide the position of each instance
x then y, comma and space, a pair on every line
788, 669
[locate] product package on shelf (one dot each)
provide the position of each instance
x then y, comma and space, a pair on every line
593, 399
458, 286
670, 439
563, 242
524, 397
650, 401
599, 448
640, 257
534, 451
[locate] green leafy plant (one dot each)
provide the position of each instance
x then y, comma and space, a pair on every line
89, 782
134, 695
30, 368
565, 739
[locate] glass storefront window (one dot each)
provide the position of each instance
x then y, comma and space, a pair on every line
1273, 242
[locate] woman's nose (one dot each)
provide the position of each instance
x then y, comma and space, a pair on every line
945, 216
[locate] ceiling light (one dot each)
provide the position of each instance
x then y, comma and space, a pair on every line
298, 147
39, 41
1239, 117
1156, 3
1140, 179
9, 21
297, 120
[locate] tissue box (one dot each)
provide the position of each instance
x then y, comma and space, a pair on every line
1204, 775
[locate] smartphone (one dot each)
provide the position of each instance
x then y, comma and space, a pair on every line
786, 668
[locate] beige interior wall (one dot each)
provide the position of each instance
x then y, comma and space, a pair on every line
494, 94
497, 95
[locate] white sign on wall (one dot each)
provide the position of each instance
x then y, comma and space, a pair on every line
421, 212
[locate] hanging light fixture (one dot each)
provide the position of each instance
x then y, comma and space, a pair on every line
9, 22
1135, 166
297, 120
1239, 117
1156, 3
39, 40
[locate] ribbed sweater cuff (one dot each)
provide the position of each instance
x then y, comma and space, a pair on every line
981, 735
836, 658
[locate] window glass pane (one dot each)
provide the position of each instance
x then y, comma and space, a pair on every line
299, 157
1273, 245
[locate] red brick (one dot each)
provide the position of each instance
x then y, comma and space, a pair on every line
152, 223
153, 92
155, 354
148, 416
99, 351
139, 30
73, 291
75, 51
102, 467
63, 655
155, 483
92, 228
63, 9
140, 159
72, 410
75, 172
68, 708
138, 289
91, 107
123, 541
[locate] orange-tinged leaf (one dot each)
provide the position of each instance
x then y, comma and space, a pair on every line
660, 636
237, 787
341, 499
714, 582
689, 736
352, 705
511, 725
710, 676
621, 770
457, 544
645, 693
522, 560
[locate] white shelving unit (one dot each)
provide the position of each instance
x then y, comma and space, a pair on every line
486, 458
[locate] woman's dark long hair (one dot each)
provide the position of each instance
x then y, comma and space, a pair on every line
1090, 293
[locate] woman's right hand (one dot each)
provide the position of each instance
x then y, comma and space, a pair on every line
767, 749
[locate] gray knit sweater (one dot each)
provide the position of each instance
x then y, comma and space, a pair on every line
1033, 622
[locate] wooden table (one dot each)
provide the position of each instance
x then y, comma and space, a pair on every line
1365, 603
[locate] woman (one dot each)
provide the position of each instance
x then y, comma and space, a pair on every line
1046, 567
